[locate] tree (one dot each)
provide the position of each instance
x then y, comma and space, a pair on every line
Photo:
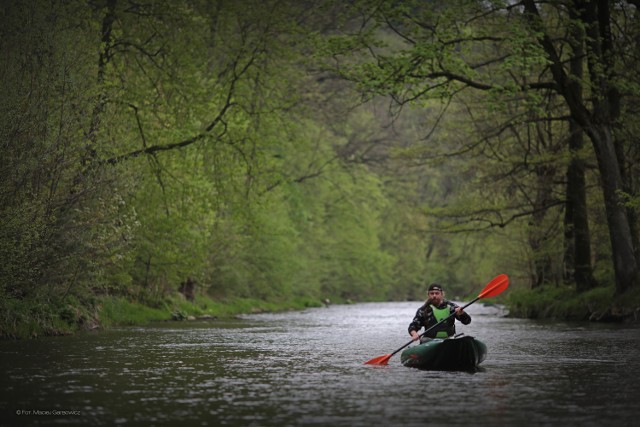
597, 118
440, 51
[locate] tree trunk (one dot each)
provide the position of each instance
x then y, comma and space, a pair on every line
606, 108
624, 260
103, 60
578, 247
578, 266
539, 235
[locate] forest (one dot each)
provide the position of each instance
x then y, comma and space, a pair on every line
164, 153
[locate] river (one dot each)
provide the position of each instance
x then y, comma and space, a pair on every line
306, 368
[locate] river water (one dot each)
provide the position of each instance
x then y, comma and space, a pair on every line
306, 369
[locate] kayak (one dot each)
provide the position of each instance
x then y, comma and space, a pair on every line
451, 354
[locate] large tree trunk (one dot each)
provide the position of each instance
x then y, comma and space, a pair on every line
624, 260
606, 108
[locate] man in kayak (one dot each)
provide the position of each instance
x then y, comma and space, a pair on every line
433, 311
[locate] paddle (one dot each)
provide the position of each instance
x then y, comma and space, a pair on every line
495, 287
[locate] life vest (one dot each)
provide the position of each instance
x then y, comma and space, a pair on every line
441, 314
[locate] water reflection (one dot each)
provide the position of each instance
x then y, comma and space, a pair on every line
306, 368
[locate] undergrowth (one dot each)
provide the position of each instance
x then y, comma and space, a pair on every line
25, 319
563, 302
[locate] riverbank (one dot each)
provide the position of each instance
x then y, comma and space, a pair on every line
22, 319
564, 303
119, 311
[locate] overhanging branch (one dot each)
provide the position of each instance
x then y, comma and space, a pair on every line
219, 119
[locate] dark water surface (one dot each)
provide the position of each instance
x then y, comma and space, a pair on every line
306, 369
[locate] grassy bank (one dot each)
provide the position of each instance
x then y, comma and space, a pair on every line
564, 303
120, 311
20, 319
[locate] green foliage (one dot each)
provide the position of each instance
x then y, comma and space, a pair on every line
211, 142
560, 302
35, 317
65, 224
121, 311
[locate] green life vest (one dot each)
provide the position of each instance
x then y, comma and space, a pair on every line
440, 314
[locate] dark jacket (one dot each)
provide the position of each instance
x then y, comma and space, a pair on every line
425, 318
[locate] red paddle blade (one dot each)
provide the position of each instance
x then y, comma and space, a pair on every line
495, 287
380, 360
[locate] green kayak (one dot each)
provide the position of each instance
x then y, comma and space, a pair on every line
452, 354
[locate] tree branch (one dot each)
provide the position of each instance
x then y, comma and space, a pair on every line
237, 74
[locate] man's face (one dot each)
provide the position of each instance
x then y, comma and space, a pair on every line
436, 297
